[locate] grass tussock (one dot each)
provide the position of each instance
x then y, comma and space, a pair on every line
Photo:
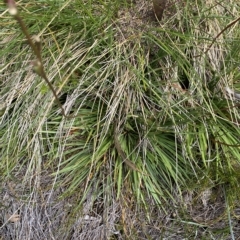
152, 145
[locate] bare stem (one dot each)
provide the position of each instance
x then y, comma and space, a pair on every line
220, 33
36, 48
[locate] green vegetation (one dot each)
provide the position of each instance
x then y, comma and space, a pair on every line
148, 145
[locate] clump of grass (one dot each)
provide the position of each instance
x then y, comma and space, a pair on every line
151, 118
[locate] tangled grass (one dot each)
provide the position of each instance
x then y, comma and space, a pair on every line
153, 149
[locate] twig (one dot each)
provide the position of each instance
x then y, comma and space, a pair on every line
219, 34
35, 44
121, 153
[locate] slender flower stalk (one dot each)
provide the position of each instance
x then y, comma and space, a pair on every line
35, 44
